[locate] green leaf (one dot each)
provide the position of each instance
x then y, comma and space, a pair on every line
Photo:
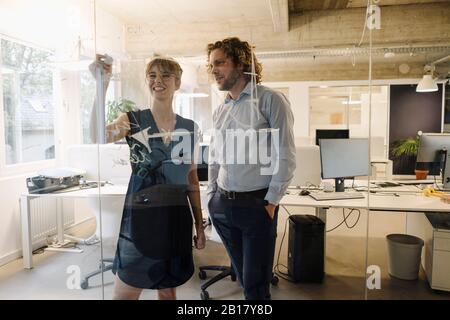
116, 107
408, 147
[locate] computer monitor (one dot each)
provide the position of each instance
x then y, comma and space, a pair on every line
433, 154
344, 158
307, 171
331, 134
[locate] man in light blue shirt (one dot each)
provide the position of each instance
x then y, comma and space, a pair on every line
252, 160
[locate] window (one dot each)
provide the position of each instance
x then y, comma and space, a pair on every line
28, 108
347, 108
88, 92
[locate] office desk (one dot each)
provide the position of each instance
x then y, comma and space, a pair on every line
107, 191
409, 201
402, 203
381, 201
26, 201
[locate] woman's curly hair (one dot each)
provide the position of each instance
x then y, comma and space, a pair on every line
240, 52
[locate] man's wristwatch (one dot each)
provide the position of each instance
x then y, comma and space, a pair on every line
266, 203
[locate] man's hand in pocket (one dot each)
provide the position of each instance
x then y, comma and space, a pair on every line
270, 208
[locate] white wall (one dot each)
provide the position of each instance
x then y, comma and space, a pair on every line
10, 234
300, 104
299, 98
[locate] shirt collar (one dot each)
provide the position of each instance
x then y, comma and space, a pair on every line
246, 91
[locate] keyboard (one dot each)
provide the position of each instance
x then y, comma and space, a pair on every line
320, 196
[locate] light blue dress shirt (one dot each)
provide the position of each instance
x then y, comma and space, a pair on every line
271, 110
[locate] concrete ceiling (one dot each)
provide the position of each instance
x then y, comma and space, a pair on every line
182, 28
182, 11
298, 6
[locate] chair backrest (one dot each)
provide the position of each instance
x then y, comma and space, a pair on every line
110, 161
307, 166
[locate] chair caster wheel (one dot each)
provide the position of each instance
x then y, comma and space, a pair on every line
84, 284
204, 295
274, 281
202, 275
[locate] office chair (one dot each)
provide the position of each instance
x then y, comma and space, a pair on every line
114, 167
84, 284
111, 218
225, 271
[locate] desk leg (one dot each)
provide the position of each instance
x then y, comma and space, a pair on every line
321, 213
27, 251
60, 220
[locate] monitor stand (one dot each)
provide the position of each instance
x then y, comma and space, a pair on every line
339, 185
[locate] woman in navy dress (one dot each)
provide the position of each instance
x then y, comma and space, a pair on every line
154, 250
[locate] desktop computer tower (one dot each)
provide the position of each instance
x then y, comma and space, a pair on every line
306, 248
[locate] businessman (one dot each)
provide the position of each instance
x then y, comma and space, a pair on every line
254, 124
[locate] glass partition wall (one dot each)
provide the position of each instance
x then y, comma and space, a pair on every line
46, 93
69, 237
404, 257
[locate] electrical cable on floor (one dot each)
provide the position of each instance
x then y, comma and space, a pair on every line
357, 219
38, 251
276, 269
345, 220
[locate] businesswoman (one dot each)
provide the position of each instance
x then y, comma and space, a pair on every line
154, 249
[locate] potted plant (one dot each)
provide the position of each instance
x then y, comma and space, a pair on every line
115, 107
409, 147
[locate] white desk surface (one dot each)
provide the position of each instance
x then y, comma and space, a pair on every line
75, 192
409, 199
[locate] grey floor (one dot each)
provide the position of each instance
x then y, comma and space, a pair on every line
345, 275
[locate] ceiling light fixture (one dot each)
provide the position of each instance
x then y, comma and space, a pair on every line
427, 84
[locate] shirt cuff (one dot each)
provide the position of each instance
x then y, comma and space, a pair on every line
273, 197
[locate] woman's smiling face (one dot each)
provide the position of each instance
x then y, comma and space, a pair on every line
162, 83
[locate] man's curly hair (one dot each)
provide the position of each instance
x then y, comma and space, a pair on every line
240, 52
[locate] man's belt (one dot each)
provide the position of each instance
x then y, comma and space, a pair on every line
234, 195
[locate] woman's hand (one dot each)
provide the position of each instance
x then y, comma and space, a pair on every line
104, 64
200, 239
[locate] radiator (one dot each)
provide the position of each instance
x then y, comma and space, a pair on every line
43, 218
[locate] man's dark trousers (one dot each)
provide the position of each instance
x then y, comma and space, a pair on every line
249, 235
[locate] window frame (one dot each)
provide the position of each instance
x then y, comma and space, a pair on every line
7, 170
